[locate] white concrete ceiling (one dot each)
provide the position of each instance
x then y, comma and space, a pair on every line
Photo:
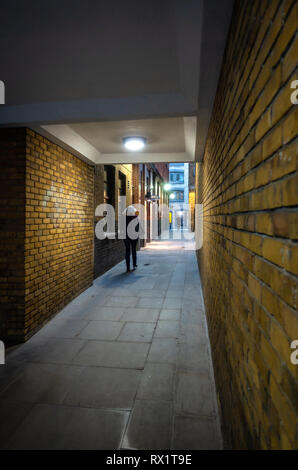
71, 68
168, 139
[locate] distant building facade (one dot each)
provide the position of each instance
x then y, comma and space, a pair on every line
179, 195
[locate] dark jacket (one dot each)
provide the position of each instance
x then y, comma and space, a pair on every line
129, 218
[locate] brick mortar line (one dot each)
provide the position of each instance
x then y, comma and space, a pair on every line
280, 89
227, 111
277, 267
260, 351
291, 241
272, 318
214, 178
286, 241
254, 190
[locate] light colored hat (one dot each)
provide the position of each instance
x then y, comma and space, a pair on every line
131, 210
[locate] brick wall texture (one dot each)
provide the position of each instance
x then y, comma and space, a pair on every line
49, 252
249, 259
56, 245
59, 229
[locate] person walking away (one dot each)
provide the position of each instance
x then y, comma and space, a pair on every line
131, 243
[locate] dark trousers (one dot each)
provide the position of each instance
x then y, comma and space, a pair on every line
130, 246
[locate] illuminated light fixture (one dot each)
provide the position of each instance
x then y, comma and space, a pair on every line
167, 187
172, 196
134, 144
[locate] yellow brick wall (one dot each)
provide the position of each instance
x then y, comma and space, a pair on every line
47, 248
249, 259
191, 201
127, 171
58, 229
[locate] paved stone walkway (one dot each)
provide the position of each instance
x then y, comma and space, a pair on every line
125, 365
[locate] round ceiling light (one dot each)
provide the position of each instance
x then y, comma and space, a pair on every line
134, 144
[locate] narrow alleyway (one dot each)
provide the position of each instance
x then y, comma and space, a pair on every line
125, 365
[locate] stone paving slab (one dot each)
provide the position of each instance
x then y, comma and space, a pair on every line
109, 388
41, 383
12, 415
167, 329
170, 314
101, 330
157, 382
140, 332
163, 350
196, 433
150, 426
63, 328
194, 394
113, 354
146, 315
51, 427
126, 364
106, 313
